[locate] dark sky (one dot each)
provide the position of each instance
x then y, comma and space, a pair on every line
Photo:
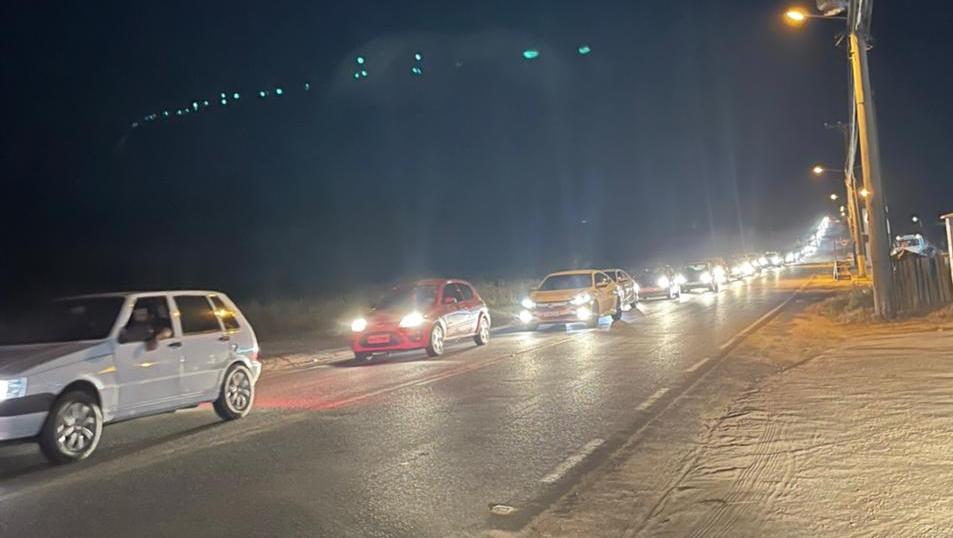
691, 123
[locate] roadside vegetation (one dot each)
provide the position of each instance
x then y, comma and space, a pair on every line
856, 305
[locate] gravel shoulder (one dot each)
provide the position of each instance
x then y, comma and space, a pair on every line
809, 428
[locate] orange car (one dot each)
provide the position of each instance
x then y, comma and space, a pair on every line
572, 297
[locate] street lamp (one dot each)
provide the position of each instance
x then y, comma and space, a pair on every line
864, 193
833, 197
914, 219
796, 15
818, 170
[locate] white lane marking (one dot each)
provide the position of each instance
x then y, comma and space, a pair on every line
698, 364
751, 328
652, 399
572, 461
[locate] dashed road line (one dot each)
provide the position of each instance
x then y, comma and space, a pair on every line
570, 462
698, 365
652, 399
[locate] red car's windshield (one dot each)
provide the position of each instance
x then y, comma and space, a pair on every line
417, 296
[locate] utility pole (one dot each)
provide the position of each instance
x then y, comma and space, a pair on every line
856, 233
858, 21
850, 187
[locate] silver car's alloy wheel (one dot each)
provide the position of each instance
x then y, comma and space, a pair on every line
484, 331
238, 390
77, 428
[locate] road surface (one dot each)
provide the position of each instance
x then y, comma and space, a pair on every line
479, 439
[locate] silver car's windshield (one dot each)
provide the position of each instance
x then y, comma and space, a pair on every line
66, 320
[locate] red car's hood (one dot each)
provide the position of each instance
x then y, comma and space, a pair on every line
389, 316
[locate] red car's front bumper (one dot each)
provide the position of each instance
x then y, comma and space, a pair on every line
377, 339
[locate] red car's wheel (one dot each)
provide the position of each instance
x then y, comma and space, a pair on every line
482, 335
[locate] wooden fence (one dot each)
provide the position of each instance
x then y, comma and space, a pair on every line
921, 282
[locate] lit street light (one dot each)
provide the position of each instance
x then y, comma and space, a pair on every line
915, 219
796, 15
818, 170
864, 193
833, 197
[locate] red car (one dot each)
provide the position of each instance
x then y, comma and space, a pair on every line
422, 315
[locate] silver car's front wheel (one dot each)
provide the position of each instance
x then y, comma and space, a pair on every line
73, 428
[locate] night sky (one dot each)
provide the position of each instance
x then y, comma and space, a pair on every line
689, 125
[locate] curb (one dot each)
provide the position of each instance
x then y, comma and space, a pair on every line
304, 360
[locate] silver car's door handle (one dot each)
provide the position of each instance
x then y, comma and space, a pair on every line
175, 344
224, 338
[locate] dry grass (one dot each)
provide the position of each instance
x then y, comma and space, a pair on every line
855, 305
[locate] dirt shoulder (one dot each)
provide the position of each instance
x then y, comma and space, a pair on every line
809, 428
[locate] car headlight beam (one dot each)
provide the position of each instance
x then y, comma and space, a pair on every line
663, 282
528, 303
414, 319
358, 325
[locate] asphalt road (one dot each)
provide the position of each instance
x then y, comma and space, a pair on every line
408, 446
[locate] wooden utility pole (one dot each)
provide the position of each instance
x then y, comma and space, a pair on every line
858, 21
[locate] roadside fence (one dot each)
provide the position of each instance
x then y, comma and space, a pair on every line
921, 282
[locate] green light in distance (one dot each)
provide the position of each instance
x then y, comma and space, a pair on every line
530, 54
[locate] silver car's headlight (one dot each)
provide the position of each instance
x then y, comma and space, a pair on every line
12, 388
581, 299
663, 282
706, 277
528, 303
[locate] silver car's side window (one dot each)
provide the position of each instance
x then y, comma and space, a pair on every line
196, 315
150, 315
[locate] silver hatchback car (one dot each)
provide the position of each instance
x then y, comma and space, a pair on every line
72, 365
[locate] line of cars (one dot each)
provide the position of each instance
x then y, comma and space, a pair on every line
426, 314
589, 294
73, 365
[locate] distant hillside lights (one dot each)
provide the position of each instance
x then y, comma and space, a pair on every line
360, 72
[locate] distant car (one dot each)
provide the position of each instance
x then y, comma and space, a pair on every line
422, 315
572, 297
70, 366
913, 243
658, 282
703, 274
627, 285
739, 268
774, 259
